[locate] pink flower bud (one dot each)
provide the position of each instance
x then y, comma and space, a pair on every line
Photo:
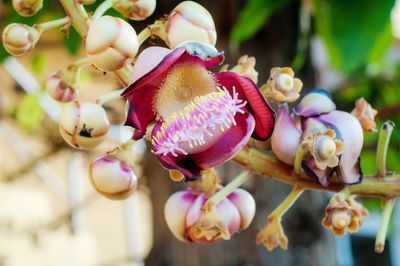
111, 43
190, 21
59, 89
189, 221
83, 125
18, 39
135, 9
27, 8
112, 178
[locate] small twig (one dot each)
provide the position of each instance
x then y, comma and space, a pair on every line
383, 144
382, 231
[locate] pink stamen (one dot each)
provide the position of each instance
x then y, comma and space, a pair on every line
199, 124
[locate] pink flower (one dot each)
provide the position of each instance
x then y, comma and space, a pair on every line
202, 118
316, 116
189, 221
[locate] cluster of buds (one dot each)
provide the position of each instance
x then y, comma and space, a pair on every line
343, 214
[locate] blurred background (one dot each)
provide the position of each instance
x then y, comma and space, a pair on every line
49, 213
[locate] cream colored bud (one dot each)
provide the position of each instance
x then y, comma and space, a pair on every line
189, 21
60, 89
18, 39
111, 43
112, 178
27, 8
135, 9
83, 125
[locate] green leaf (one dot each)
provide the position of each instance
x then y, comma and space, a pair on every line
28, 113
253, 17
354, 32
73, 41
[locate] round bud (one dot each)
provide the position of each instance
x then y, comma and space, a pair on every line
341, 219
27, 8
111, 43
83, 125
18, 39
112, 178
326, 147
189, 21
285, 82
59, 89
135, 9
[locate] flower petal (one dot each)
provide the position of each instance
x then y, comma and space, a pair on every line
286, 137
257, 105
349, 170
228, 145
316, 102
181, 163
318, 175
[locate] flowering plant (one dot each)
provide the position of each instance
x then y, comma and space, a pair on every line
197, 117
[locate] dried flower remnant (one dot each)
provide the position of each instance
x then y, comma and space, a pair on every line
366, 115
244, 67
282, 86
343, 215
273, 236
325, 148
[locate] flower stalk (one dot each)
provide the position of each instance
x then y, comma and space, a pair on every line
102, 8
225, 191
102, 99
383, 144
285, 205
383, 227
53, 24
78, 15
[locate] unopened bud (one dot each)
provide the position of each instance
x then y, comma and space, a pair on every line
83, 125
27, 8
189, 21
135, 9
112, 178
111, 43
18, 39
59, 89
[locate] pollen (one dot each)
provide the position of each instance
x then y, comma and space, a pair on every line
184, 82
199, 125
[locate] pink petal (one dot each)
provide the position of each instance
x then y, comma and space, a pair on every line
257, 105
316, 102
286, 137
228, 145
229, 215
349, 170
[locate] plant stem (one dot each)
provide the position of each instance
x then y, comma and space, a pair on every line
267, 165
225, 191
53, 24
301, 152
102, 99
383, 144
285, 205
81, 62
381, 236
78, 15
124, 75
102, 8
144, 35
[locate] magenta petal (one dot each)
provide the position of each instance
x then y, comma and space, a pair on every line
349, 170
257, 105
181, 163
228, 145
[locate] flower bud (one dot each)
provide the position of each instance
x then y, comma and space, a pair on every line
190, 21
112, 178
27, 8
60, 89
18, 39
135, 9
83, 125
111, 43
189, 221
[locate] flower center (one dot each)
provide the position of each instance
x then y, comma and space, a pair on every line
285, 82
183, 83
326, 148
199, 125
